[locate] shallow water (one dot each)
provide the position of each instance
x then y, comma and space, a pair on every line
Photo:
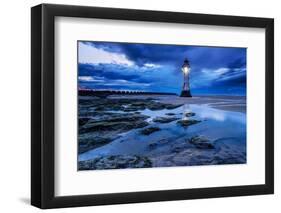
226, 128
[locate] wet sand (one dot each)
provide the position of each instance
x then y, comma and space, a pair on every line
228, 103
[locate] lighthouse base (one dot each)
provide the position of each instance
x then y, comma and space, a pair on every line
185, 93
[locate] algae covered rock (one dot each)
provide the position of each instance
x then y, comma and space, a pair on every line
164, 119
201, 142
115, 162
188, 122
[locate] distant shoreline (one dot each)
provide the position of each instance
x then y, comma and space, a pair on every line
105, 93
90, 92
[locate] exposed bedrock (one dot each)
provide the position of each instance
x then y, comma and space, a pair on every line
115, 162
164, 119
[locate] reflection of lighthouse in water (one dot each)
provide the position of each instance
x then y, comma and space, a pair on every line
186, 71
186, 110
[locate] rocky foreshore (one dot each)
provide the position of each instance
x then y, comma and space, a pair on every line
105, 127
115, 162
130, 132
197, 150
101, 120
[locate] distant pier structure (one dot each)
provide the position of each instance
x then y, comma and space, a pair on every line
105, 93
186, 72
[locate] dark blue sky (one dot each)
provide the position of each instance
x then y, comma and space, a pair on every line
157, 67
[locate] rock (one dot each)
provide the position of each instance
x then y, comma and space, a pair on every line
102, 120
172, 106
201, 142
189, 122
119, 126
164, 119
170, 114
141, 104
155, 106
228, 160
116, 162
86, 144
103, 128
131, 109
115, 122
149, 130
123, 104
83, 121
189, 114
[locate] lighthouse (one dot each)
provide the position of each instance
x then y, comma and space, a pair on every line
186, 71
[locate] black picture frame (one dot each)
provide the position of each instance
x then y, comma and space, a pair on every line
43, 102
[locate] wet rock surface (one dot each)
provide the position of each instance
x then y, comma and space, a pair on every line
126, 105
189, 114
149, 130
104, 128
170, 114
116, 122
115, 162
101, 120
164, 119
187, 122
201, 142
220, 151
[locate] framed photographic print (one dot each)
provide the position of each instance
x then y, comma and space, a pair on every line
140, 106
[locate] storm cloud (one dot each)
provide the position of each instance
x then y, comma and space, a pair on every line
156, 67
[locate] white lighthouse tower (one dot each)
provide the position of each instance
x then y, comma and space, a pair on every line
186, 71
